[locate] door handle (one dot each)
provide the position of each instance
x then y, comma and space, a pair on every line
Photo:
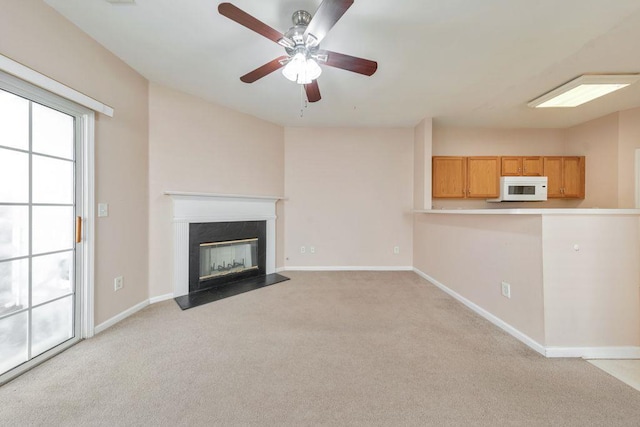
78, 229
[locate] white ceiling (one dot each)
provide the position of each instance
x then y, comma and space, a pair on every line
462, 62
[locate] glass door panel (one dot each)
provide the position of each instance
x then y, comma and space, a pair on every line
14, 170
52, 324
37, 211
52, 277
51, 178
14, 286
14, 231
53, 132
14, 348
14, 121
52, 228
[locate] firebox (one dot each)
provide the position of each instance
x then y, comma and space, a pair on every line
227, 258
225, 252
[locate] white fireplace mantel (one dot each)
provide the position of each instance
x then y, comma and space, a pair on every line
210, 207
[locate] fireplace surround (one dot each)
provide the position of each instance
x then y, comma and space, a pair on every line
206, 208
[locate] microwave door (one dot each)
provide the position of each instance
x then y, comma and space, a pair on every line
522, 189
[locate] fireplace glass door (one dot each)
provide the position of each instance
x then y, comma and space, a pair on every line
227, 258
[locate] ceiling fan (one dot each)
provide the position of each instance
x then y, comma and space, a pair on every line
302, 45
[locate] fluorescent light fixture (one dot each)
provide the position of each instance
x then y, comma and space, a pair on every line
584, 89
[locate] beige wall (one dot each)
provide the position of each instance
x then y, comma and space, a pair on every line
422, 148
597, 140
35, 35
350, 195
473, 254
197, 146
628, 143
449, 141
591, 294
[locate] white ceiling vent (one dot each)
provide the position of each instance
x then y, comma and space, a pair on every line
121, 1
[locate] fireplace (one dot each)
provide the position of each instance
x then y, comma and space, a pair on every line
205, 227
225, 252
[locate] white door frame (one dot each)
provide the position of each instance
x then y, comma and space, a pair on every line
87, 129
637, 178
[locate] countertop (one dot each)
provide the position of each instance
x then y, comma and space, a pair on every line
525, 211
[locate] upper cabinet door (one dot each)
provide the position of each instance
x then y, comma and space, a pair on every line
532, 166
449, 177
553, 171
566, 177
573, 177
511, 166
522, 166
483, 177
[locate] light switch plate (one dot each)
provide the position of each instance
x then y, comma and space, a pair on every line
103, 209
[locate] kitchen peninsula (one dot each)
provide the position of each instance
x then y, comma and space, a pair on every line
566, 282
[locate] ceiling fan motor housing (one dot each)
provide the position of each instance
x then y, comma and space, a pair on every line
301, 17
301, 20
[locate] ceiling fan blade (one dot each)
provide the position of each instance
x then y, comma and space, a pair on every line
350, 63
243, 18
267, 68
329, 12
313, 91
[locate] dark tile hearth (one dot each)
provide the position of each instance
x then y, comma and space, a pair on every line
194, 299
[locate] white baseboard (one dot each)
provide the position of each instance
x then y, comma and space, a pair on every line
161, 298
115, 319
595, 352
348, 268
484, 313
280, 269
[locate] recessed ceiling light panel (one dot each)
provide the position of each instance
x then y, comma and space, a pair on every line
121, 1
584, 89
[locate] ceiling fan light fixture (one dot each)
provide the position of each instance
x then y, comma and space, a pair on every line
583, 89
301, 69
312, 70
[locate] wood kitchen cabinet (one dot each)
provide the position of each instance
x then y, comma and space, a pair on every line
449, 177
521, 166
565, 177
466, 177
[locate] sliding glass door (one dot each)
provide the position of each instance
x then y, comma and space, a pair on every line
39, 304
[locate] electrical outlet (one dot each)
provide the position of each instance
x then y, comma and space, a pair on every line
303, 250
396, 250
506, 290
312, 249
118, 283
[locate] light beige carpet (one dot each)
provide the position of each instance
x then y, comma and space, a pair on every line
344, 348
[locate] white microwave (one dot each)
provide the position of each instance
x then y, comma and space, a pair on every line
522, 189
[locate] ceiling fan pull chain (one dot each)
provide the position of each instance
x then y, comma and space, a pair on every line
303, 100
